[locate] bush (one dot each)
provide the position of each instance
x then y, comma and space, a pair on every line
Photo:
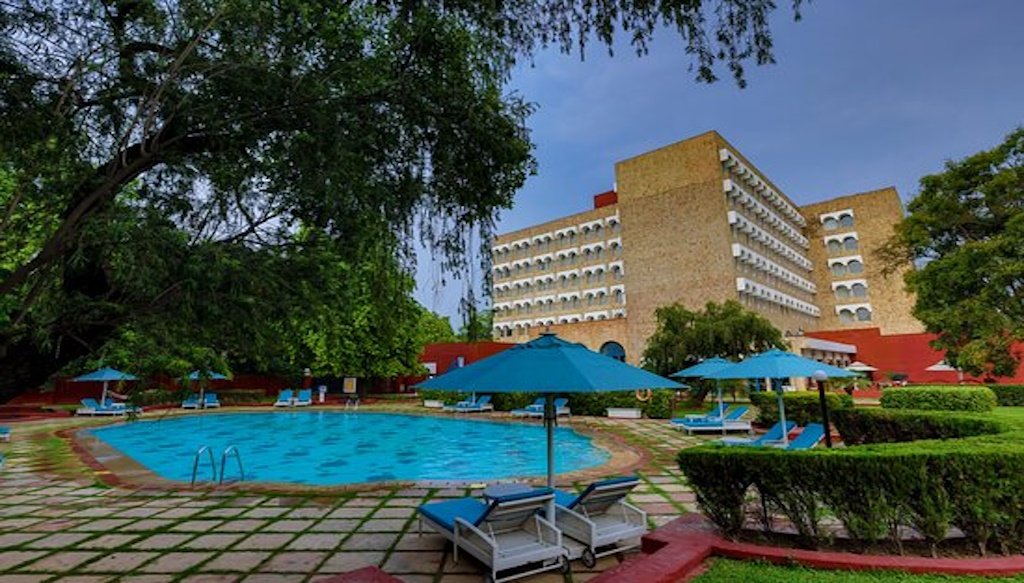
803, 407
1009, 395
860, 426
593, 404
978, 399
974, 484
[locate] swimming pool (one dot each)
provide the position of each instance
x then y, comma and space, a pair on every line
327, 448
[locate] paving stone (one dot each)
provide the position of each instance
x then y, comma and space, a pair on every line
350, 561
217, 542
354, 512
196, 525
265, 541
395, 502
369, 542
61, 561
395, 512
288, 526
106, 524
427, 542
120, 562
147, 524
85, 578
294, 562
60, 540
414, 562
242, 561
383, 525
315, 542
223, 512
175, 562
209, 578
308, 512
13, 539
165, 541
335, 525
241, 525
273, 578
25, 578
108, 541
11, 559
264, 512
179, 512
146, 579
362, 502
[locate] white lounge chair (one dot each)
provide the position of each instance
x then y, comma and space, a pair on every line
601, 519
92, 407
731, 422
191, 402
210, 400
305, 398
506, 533
284, 398
478, 406
5, 433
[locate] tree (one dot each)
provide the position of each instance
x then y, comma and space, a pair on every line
478, 325
727, 330
435, 328
259, 133
965, 229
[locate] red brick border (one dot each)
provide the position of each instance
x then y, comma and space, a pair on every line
677, 551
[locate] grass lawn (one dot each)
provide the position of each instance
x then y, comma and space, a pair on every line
728, 571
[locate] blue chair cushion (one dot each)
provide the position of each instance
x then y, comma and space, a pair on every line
445, 513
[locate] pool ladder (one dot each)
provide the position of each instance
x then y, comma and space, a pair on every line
231, 449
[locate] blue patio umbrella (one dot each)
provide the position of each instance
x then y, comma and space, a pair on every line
210, 375
702, 370
105, 375
550, 366
778, 364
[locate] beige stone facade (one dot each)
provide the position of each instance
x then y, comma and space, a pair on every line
694, 222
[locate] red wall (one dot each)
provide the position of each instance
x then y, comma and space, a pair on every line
605, 199
445, 353
906, 353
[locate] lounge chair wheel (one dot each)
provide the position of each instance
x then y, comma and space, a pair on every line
588, 559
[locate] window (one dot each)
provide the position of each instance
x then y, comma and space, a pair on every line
838, 269
850, 244
834, 246
846, 316
830, 224
614, 350
860, 290
846, 221
855, 266
863, 314
619, 296
842, 292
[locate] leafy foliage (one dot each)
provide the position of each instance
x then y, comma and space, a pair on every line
974, 484
684, 338
259, 140
802, 407
978, 399
966, 225
1009, 395
860, 426
591, 404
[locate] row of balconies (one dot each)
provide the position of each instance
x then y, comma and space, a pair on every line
769, 267
566, 236
506, 328
737, 167
850, 313
759, 290
593, 252
746, 226
754, 206
567, 300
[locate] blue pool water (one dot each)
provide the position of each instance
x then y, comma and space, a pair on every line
331, 448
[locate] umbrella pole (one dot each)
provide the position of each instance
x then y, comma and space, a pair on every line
103, 396
782, 416
721, 413
549, 422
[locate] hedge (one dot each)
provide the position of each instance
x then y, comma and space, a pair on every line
975, 485
803, 407
594, 404
861, 426
1009, 395
978, 399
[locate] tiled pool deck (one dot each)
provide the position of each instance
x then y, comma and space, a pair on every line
59, 522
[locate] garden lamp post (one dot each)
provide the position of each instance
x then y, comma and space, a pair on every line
819, 376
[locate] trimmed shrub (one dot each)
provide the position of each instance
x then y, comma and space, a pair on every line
940, 398
803, 407
975, 485
860, 426
1009, 395
593, 404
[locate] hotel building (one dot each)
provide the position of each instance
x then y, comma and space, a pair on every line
695, 222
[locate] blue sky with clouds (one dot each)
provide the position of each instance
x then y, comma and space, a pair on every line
865, 94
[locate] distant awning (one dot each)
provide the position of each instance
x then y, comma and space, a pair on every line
858, 366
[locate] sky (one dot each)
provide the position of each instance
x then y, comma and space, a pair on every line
865, 94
